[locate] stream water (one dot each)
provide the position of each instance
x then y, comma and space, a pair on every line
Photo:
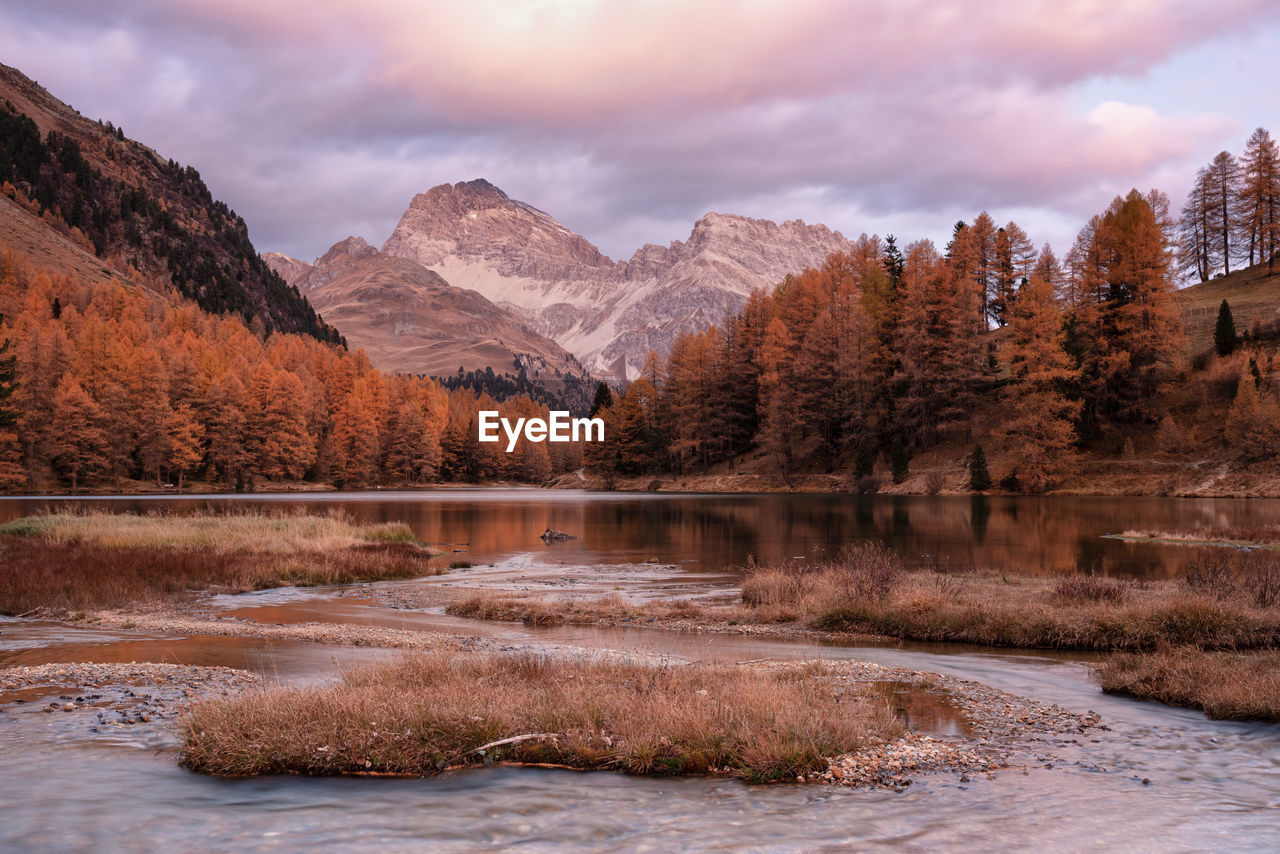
1157, 779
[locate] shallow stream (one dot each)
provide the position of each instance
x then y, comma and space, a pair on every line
1157, 779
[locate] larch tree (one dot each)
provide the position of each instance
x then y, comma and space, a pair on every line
1040, 425
1133, 326
185, 442
79, 446
1252, 425
1222, 191
1015, 256
1194, 257
777, 392
12, 475
1259, 200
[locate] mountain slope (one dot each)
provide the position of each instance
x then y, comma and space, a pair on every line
1254, 298
118, 200
409, 320
608, 313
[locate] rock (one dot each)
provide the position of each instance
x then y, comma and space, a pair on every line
550, 536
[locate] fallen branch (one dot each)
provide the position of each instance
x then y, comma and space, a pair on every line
512, 740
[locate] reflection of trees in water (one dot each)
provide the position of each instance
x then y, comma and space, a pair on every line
1029, 535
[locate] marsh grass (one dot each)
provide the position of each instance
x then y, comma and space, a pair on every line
1255, 535
1231, 607
426, 713
547, 611
1223, 685
67, 562
253, 531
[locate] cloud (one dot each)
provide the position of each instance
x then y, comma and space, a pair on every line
628, 120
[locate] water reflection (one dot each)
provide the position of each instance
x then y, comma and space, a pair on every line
1008, 534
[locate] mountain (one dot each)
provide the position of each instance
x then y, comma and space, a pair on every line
409, 320
610, 314
143, 217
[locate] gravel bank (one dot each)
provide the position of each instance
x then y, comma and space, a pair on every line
343, 634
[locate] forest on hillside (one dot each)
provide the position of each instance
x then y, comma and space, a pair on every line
885, 351
103, 384
857, 367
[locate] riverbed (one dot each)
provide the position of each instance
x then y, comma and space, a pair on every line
1153, 778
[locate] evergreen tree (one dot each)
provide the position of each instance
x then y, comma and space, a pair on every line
979, 476
602, 400
1225, 339
8, 381
899, 459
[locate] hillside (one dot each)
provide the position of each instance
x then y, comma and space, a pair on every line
140, 214
608, 313
409, 320
1254, 298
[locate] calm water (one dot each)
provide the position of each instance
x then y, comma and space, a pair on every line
715, 532
1212, 785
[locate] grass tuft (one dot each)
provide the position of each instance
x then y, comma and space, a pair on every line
1223, 685
425, 713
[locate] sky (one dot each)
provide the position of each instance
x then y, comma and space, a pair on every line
627, 121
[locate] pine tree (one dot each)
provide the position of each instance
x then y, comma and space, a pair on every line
979, 476
1225, 339
899, 459
602, 400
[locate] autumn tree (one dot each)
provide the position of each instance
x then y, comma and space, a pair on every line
1040, 417
776, 396
1222, 179
1015, 256
185, 445
79, 446
355, 435
1132, 326
693, 371
1253, 422
278, 439
1194, 258
1259, 200
11, 474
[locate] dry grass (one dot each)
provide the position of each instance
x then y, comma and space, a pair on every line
273, 533
1264, 535
67, 562
427, 713
1224, 685
547, 611
867, 591
1077, 613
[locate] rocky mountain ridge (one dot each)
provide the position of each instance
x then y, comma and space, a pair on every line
608, 313
409, 320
